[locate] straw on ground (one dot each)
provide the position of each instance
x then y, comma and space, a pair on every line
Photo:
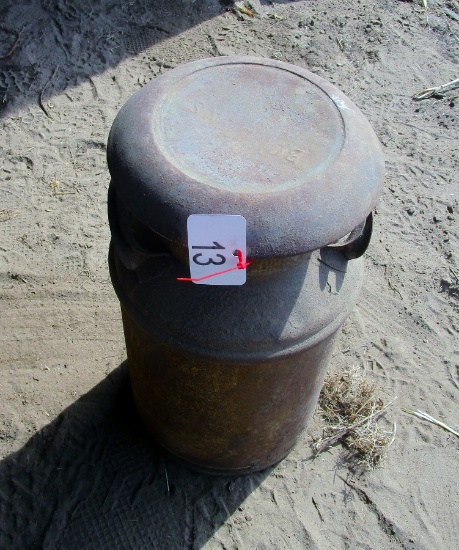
425, 416
350, 407
430, 92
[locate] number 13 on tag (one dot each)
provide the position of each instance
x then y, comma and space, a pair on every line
213, 240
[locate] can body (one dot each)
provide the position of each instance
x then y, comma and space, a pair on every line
226, 378
219, 416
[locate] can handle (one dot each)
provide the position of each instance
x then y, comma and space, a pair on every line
132, 258
357, 241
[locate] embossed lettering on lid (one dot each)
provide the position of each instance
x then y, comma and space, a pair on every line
248, 128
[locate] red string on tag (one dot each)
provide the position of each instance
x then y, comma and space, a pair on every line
241, 264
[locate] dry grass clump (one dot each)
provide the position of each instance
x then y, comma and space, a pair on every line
350, 407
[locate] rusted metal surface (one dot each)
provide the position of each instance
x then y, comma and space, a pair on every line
257, 137
219, 416
226, 377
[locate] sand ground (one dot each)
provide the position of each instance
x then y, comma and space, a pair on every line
77, 469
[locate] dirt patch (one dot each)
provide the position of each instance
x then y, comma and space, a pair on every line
77, 470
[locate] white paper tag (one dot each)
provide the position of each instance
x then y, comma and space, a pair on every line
212, 243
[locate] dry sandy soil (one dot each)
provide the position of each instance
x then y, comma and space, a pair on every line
77, 468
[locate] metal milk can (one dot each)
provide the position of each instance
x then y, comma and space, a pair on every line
227, 377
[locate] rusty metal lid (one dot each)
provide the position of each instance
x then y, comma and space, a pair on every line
251, 136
